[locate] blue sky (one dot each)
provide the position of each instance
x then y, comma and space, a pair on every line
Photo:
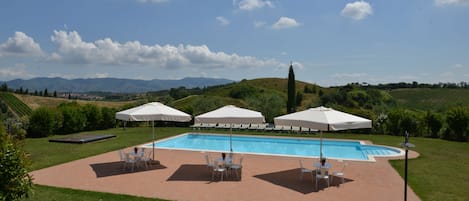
329, 42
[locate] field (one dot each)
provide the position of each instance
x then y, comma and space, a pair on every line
441, 172
431, 99
35, 102
15, 104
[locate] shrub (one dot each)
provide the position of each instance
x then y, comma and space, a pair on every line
242, 91
108, 118
93, 116
400, 121
270, 105
206, 103
432, 124
43, 122
458, 124
73, 119
15, 180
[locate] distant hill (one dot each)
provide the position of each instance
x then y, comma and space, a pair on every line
111, 84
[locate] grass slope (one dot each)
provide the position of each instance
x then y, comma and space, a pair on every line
35, 102
430, 99
257, 87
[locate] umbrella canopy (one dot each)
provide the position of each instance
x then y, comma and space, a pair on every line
231, 114
154, 111
323, 119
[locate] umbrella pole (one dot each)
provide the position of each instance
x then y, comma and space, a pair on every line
231, 133
320, 146
153, 143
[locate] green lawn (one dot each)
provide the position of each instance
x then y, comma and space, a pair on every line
46, 193
441, 173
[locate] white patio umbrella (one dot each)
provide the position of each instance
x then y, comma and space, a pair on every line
153, 111
323, 119
230, 114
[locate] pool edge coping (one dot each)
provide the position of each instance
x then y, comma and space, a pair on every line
371, 158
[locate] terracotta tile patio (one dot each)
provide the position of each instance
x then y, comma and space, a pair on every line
183, 175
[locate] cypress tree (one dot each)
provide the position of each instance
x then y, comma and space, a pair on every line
291, 103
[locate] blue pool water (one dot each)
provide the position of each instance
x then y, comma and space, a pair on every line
301, 147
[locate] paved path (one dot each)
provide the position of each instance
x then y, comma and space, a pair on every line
182, 175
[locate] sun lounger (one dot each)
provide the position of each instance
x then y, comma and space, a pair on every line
295, 129
236, 126
196, 126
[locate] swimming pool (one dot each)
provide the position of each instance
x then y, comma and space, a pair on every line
283, 146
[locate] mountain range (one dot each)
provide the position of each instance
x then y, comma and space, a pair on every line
111, 84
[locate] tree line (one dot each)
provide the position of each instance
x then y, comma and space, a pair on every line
69, 118
414, 84
388, 118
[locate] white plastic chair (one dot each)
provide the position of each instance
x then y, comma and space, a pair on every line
146, 157
339, 173
237, 168
304, 170
218, 167
127, 160
322, 173
210, 165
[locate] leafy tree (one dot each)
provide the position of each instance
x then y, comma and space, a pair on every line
4, 87
3, 107
205, 103
242, 91
55, 94
291, 91
458, 124
43, 122
299, 99
178, 93
108, 118
398, 121
270, 105
73, 119
46, 93
432, 124
93, 116
15, 183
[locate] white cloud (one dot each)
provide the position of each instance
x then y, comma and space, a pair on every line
17, 71
98, 75
152, 1
254, 4
223, 21
258, 24
298, 65
451, 2
20, 44
358, 10
349, 75
72, 49
458, 66
285, 22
